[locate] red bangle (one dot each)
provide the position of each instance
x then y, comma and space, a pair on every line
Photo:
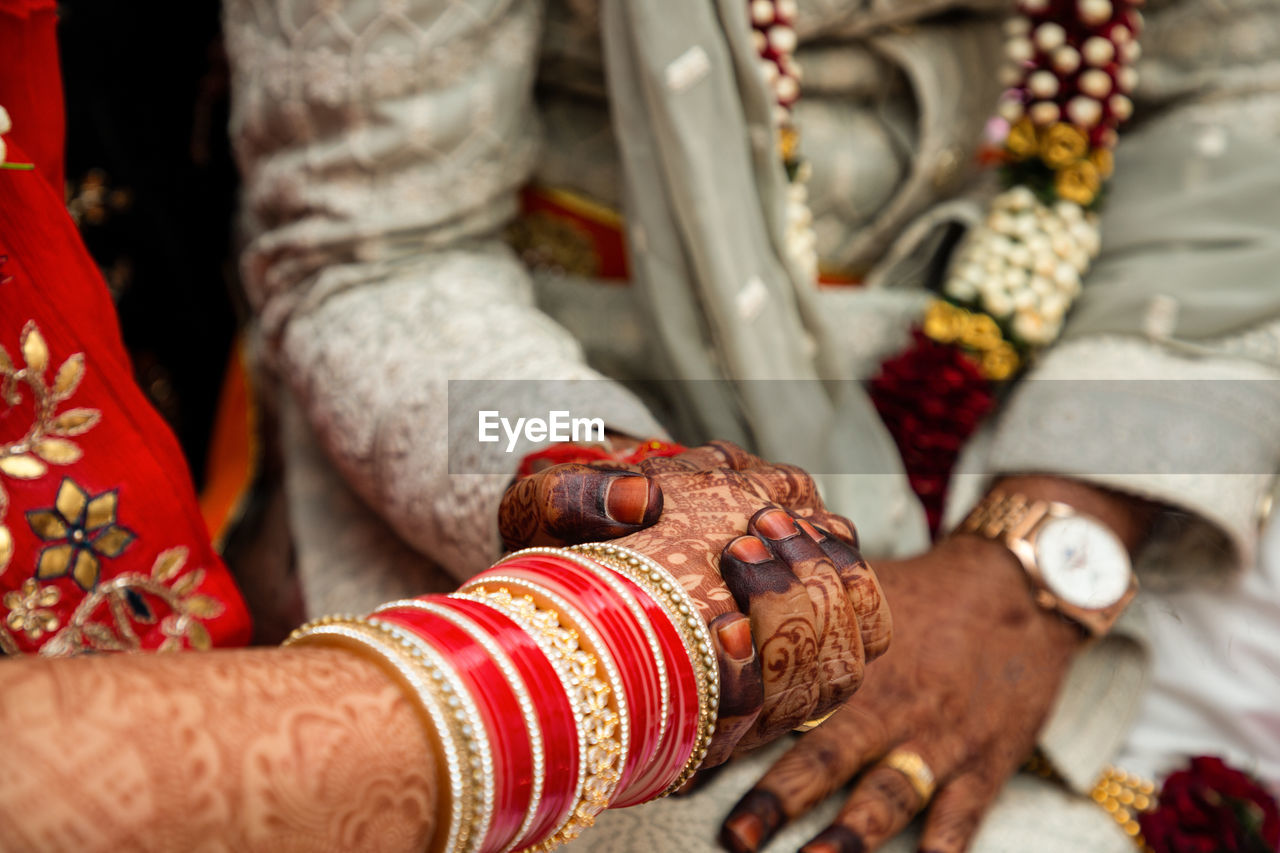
512, 749
621, 633
559, 454
682, 733
563, 743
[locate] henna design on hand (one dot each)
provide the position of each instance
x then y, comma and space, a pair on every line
967, 685
840, 654
567, 504
806, 629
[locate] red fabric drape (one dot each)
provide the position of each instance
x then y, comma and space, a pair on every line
106, 546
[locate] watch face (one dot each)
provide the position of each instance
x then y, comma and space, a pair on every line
1082, 562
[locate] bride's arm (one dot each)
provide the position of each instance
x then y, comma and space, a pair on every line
262, 749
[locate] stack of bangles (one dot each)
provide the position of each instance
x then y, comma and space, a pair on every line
597, 650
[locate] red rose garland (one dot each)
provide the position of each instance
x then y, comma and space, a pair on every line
1210, 807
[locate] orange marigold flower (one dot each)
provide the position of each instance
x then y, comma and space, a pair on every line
1104, 161
1021, 141
1062, 145
1078, 182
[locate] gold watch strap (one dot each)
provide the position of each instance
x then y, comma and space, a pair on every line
1002, 515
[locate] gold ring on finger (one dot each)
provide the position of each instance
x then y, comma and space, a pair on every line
918, 773
816, 721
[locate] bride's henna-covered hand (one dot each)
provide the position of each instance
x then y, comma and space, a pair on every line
807, 624
568, 504
794, 578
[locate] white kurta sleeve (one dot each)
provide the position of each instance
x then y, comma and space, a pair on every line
382, 143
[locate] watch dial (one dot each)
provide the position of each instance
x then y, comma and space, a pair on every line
1082, 562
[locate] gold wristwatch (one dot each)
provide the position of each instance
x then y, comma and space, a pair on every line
1075, 564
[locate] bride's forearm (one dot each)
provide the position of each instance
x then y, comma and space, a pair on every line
266, 749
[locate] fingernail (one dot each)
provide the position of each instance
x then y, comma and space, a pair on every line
753, 821
810, 530
776, 524
735, 638
749, 549
835, 839
627, 499
742, 834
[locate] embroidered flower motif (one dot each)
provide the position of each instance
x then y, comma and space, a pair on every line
45, 442
107, 618
85, 530
27, 609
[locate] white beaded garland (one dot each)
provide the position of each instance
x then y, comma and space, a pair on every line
786, 88
1016, 26
1066, 59
1098, 51
1121, 107
1084, 111
782, 39
1045, 112
769, 71
1019, 49
1094, 12
1095, 83
1050, 36
762, 12
1127, 79
1020, 262
1043, 84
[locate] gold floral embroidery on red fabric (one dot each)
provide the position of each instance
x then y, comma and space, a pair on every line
28, 609
48, 439
83, 530
104, 619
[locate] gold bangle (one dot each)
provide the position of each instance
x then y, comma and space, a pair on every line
600, 708
467, 757
692, 628
625, 596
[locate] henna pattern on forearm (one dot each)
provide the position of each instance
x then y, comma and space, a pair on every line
250, 750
